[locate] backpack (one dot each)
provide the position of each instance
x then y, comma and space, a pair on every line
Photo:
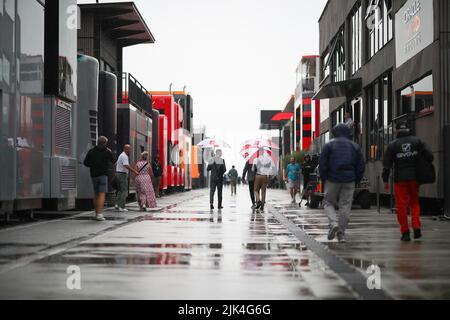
426, 172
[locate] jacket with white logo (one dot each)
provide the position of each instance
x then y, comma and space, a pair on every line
402, 155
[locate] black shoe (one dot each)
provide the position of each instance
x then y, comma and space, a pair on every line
261, 208
332, 233
417, 234
220, 207
258, 206
406, 237
212, 207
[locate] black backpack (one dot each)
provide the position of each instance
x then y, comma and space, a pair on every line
426, 172
157, 170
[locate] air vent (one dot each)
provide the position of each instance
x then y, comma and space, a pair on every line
68, 178
62, 128
93, 120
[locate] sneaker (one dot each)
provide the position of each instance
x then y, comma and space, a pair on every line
417, 233
100, 217
406, 237
123, 210
341, 238
332, 232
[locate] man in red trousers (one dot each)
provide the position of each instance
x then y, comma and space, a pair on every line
402, 156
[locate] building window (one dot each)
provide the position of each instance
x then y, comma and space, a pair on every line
418, 97
338, 58
356, 24
337, 116
379, 23
335, 59
380, 117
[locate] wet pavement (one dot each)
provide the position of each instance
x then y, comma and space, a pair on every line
185, 251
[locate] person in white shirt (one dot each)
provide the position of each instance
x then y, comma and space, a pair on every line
122, 169
265, 169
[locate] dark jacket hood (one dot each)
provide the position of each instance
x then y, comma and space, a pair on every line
342, 131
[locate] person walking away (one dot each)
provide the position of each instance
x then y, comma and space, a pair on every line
265, 168
218, 169
402, 155
341, 167
307, 169
249, 172
144, 185
122, 170
293, 178
233, 174
99, 159
157, 175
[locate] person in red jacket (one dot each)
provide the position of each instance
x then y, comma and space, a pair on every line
402, 156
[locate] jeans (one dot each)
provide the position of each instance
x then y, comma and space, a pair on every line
122, 192
340, 194
233, 188
219, 186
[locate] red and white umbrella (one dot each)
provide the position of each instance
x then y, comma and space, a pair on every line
250, 151
213, 143
261, 143
251, 154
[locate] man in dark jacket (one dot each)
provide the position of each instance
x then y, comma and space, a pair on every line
157, 174
307, 169
250, 173
341, 166
217, 168
100, 159
402, 155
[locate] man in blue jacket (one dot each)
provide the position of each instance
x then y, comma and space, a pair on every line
341, 167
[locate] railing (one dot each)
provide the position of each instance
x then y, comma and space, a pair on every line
133, 92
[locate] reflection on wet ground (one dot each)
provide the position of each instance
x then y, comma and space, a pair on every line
413, 270
187, 252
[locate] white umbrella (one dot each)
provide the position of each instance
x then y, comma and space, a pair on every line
213, 143
260, 143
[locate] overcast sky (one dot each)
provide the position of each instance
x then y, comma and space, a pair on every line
236, 57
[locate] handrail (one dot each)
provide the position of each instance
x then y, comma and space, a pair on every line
135, 93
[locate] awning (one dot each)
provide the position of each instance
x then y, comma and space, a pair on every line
122, 21
266, 120
283, 116
348, 88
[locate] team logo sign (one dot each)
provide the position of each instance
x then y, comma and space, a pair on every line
406, 147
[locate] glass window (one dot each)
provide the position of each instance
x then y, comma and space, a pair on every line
337, 60
30, 71
356, 24
380, 117
418, 97
67, 49
379, 20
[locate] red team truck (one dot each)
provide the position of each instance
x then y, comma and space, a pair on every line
170, 141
